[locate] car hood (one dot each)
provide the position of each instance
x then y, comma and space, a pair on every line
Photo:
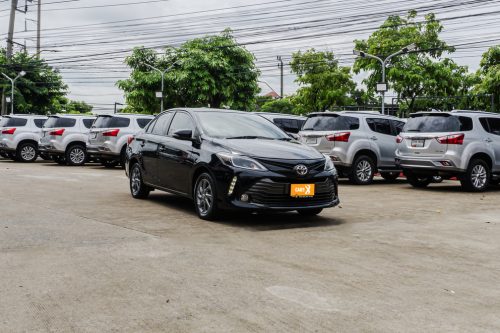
272, 149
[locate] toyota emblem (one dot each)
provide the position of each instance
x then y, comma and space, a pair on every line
301, 170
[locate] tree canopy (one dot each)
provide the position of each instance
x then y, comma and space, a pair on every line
488, 78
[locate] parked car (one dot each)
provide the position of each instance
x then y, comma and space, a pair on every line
20, 135
291, 124
360, 143
463, 144
247, 164
64, 138
109, 134
2, 121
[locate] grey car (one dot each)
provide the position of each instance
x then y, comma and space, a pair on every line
19, 136
462, 144
360, 143
289, 123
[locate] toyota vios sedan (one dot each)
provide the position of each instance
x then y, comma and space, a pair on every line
227, 160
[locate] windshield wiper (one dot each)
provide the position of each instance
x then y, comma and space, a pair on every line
250, 137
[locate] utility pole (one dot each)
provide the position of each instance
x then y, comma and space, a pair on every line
38, 27
280, 65
10, 35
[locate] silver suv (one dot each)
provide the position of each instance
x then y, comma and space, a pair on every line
462, 144
20, 135
64, 138
108, 137
360, 143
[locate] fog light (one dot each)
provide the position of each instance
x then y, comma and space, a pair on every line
244, 197
233, 184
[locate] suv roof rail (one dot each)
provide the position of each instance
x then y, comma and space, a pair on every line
473, 111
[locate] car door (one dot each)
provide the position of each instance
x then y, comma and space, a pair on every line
492, 126
175, 156
382, 140
149, 142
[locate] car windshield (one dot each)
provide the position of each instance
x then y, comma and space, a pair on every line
429, 123
330, 122
109, 121
15, 122
232, 125
53, 122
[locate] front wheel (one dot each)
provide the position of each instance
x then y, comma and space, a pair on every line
205, 197
363, 170
390, 176
27, 152
138, 189
310, 211
418, 181
76, 155
477, 176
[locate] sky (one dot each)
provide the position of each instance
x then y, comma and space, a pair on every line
87, 40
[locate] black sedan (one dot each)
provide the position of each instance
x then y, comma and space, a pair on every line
229, 160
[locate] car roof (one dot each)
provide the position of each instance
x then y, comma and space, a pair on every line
279, 115
27, 116
73, 115
455, 112
356, 113
130, 115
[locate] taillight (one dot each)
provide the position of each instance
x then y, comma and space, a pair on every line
399, 139
9, 131
340, 137
113, 132
455, 139
57, 132
130, 139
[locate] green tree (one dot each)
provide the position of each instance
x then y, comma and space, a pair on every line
488, 79
210, 71
39, 90
282, 105
422, 73
324, 84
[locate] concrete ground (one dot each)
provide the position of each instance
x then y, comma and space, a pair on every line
78, 254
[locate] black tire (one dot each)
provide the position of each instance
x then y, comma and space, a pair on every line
45, 157
109, 164
362, 171
122, 157
61, 160
76, 155
27, 152
390, 176
477, 177
138, 189
310, 211
418, 181
437, 179
12, 156
205, 197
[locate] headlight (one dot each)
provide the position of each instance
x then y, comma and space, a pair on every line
329, 166
239, 161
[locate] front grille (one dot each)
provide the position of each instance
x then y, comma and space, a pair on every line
270, 193
286, 166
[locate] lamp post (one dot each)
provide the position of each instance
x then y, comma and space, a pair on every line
267, 84
382, 86
13, 82
162, 73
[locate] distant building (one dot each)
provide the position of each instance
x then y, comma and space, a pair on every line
272, 94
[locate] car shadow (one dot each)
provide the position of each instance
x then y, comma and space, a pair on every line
346, 182
246, 220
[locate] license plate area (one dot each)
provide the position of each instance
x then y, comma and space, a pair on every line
417, 143
311, 141
302, 190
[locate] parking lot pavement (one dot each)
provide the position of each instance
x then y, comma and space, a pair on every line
78, 254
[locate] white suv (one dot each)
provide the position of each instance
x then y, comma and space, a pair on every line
108, 137
360, 143
64, 138
20, 135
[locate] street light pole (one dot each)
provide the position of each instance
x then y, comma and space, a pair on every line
384, 62
13, 82
162, 73
267, 84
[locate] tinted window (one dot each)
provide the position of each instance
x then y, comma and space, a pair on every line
108, 122
398, 126
382, 126
88, 122
151, 125
330, 123
491, 125
182, 121
53, 122
161, 125
432, 123
15, 122
142, 122
39, 122
288, 125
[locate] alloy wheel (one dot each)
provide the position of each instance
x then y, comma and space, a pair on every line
77, 155
204, 197
28, 153
136, 180
479, 176
364, 170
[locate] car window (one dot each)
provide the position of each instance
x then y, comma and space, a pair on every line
142, 122
109, 122
182, 121
382, 126
491, 125
15, 122
439, 122
288, 125
398, 126
161, 125
88, 122
150, 126
330, 122
53, 122
39, 122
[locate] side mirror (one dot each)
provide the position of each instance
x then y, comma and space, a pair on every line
185, 135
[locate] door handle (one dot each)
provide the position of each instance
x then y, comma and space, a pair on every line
488, 140
374, 138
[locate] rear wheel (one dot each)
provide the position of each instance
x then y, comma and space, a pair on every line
76, 155
138, 189
418, 181
362, 171
477, 176
310, 211
390, 176
205, 197
27, 152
